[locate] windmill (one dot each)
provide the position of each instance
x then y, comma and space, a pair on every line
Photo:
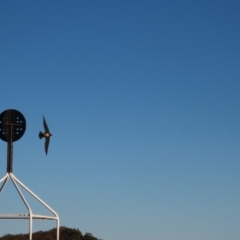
12, 128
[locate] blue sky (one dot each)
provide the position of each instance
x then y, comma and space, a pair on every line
142, 98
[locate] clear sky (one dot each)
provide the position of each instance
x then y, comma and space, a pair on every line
142, 99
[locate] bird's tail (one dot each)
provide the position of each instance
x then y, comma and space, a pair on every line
40, 135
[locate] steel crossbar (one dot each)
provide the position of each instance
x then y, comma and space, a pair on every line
27, 216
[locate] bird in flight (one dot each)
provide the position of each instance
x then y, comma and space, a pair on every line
46, 134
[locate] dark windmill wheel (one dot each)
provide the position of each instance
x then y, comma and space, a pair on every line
12, 128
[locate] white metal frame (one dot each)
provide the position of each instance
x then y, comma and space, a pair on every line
30, 215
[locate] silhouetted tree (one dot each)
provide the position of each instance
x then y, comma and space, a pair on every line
65, 234
89, 236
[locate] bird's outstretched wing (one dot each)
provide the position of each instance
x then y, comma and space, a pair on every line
45, 125
46, 144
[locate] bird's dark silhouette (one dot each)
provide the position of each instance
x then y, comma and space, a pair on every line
46, 135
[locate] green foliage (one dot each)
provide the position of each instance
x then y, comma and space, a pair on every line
89, 236
65, 234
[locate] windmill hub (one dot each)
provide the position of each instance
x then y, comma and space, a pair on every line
12, 125
12, 128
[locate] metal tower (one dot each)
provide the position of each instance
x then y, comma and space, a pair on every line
12, 128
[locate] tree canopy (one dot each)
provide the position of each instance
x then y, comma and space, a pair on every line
65, 234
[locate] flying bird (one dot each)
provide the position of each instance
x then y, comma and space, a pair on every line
46, 134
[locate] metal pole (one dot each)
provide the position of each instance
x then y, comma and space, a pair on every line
10, 151
26, 204
5, 178
58, 226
